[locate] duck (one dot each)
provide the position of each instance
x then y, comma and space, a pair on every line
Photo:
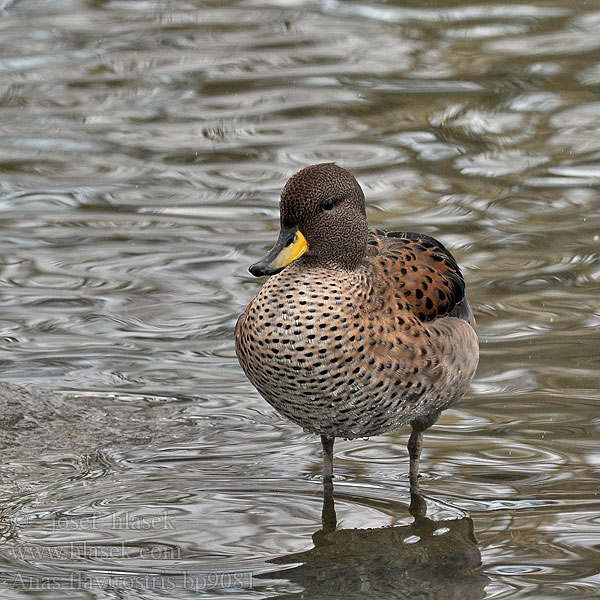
356, 331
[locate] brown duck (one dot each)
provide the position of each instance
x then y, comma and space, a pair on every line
357, 331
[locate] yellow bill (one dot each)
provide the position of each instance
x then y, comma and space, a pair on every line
290, 246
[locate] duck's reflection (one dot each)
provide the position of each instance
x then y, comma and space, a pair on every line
426, 559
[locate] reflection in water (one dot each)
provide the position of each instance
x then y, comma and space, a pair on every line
426, 559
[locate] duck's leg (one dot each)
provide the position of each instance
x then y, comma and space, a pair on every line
327, 443
415, 445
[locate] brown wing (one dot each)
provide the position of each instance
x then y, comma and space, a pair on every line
424, 271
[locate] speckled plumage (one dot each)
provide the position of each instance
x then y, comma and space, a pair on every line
367, 330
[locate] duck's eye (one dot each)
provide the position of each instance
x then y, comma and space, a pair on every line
328, 204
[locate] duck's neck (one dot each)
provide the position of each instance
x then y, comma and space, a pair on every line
346, 256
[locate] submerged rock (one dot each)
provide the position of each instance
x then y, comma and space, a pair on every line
34, 421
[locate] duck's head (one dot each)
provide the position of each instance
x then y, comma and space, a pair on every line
323, 216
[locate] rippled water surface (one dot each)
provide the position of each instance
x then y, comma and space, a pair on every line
143, 148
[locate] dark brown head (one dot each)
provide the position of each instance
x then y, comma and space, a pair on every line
323, 214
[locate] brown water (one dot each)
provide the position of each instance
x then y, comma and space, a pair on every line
143, 148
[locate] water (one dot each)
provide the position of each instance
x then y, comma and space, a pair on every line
144, 145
